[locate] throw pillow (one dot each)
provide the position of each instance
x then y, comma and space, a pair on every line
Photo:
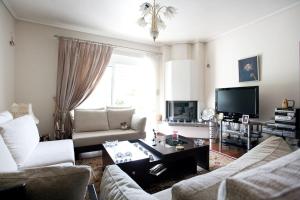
124, 126
21, 136
8, 164
5, 117
118, 107
90, 120
116, 117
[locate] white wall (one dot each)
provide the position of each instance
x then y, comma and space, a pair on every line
181, 51
184, 51
198, 55
276, 40
7, 56
36, 66
166, 55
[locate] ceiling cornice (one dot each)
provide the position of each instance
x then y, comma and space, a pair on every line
79, 28
9, 8
139, 46
157, 44
253, 22
140, 41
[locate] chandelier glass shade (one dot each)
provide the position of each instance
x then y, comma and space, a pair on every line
152, 15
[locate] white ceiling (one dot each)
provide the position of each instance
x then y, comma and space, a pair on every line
196, 20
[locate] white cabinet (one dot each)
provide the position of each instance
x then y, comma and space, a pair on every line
182, 81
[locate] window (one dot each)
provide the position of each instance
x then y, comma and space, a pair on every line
101, 96
127, 81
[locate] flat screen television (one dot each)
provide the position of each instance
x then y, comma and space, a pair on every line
238, 101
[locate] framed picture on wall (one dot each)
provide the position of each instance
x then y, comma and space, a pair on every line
249, 69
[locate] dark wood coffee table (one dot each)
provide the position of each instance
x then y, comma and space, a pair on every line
137, 163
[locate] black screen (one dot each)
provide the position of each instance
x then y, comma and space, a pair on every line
238, 101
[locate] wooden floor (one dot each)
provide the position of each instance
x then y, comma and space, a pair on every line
230, 150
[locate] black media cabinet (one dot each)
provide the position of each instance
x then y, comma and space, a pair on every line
286, 124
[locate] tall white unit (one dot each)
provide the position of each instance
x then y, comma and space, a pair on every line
182, 81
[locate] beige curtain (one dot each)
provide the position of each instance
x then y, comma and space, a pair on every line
80, 67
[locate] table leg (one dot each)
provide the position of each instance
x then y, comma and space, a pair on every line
248, 138
220, 136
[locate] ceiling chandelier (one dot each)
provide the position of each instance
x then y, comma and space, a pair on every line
152, 15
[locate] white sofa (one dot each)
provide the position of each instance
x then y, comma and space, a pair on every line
236, 178
94, 127
47, 168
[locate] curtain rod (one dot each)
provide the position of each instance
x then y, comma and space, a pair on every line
107, 44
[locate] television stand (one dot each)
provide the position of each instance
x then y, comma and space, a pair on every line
240, 134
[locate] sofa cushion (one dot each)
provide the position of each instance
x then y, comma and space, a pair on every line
8, 164
21, 137
116, 117
118, 107
90, 120
50, 183
117, 185
5, 117
99, 137
50, 153
206, 186
278, 180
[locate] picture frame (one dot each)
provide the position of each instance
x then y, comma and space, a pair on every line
245, 119
249, 69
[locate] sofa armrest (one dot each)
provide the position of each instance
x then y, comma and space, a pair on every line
138, 123
116, 184
59, 182
276, 180
206, 186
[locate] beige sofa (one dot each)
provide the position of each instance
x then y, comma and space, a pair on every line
94, 127
268, 171
46, 168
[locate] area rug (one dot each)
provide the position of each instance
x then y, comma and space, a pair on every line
216, 160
